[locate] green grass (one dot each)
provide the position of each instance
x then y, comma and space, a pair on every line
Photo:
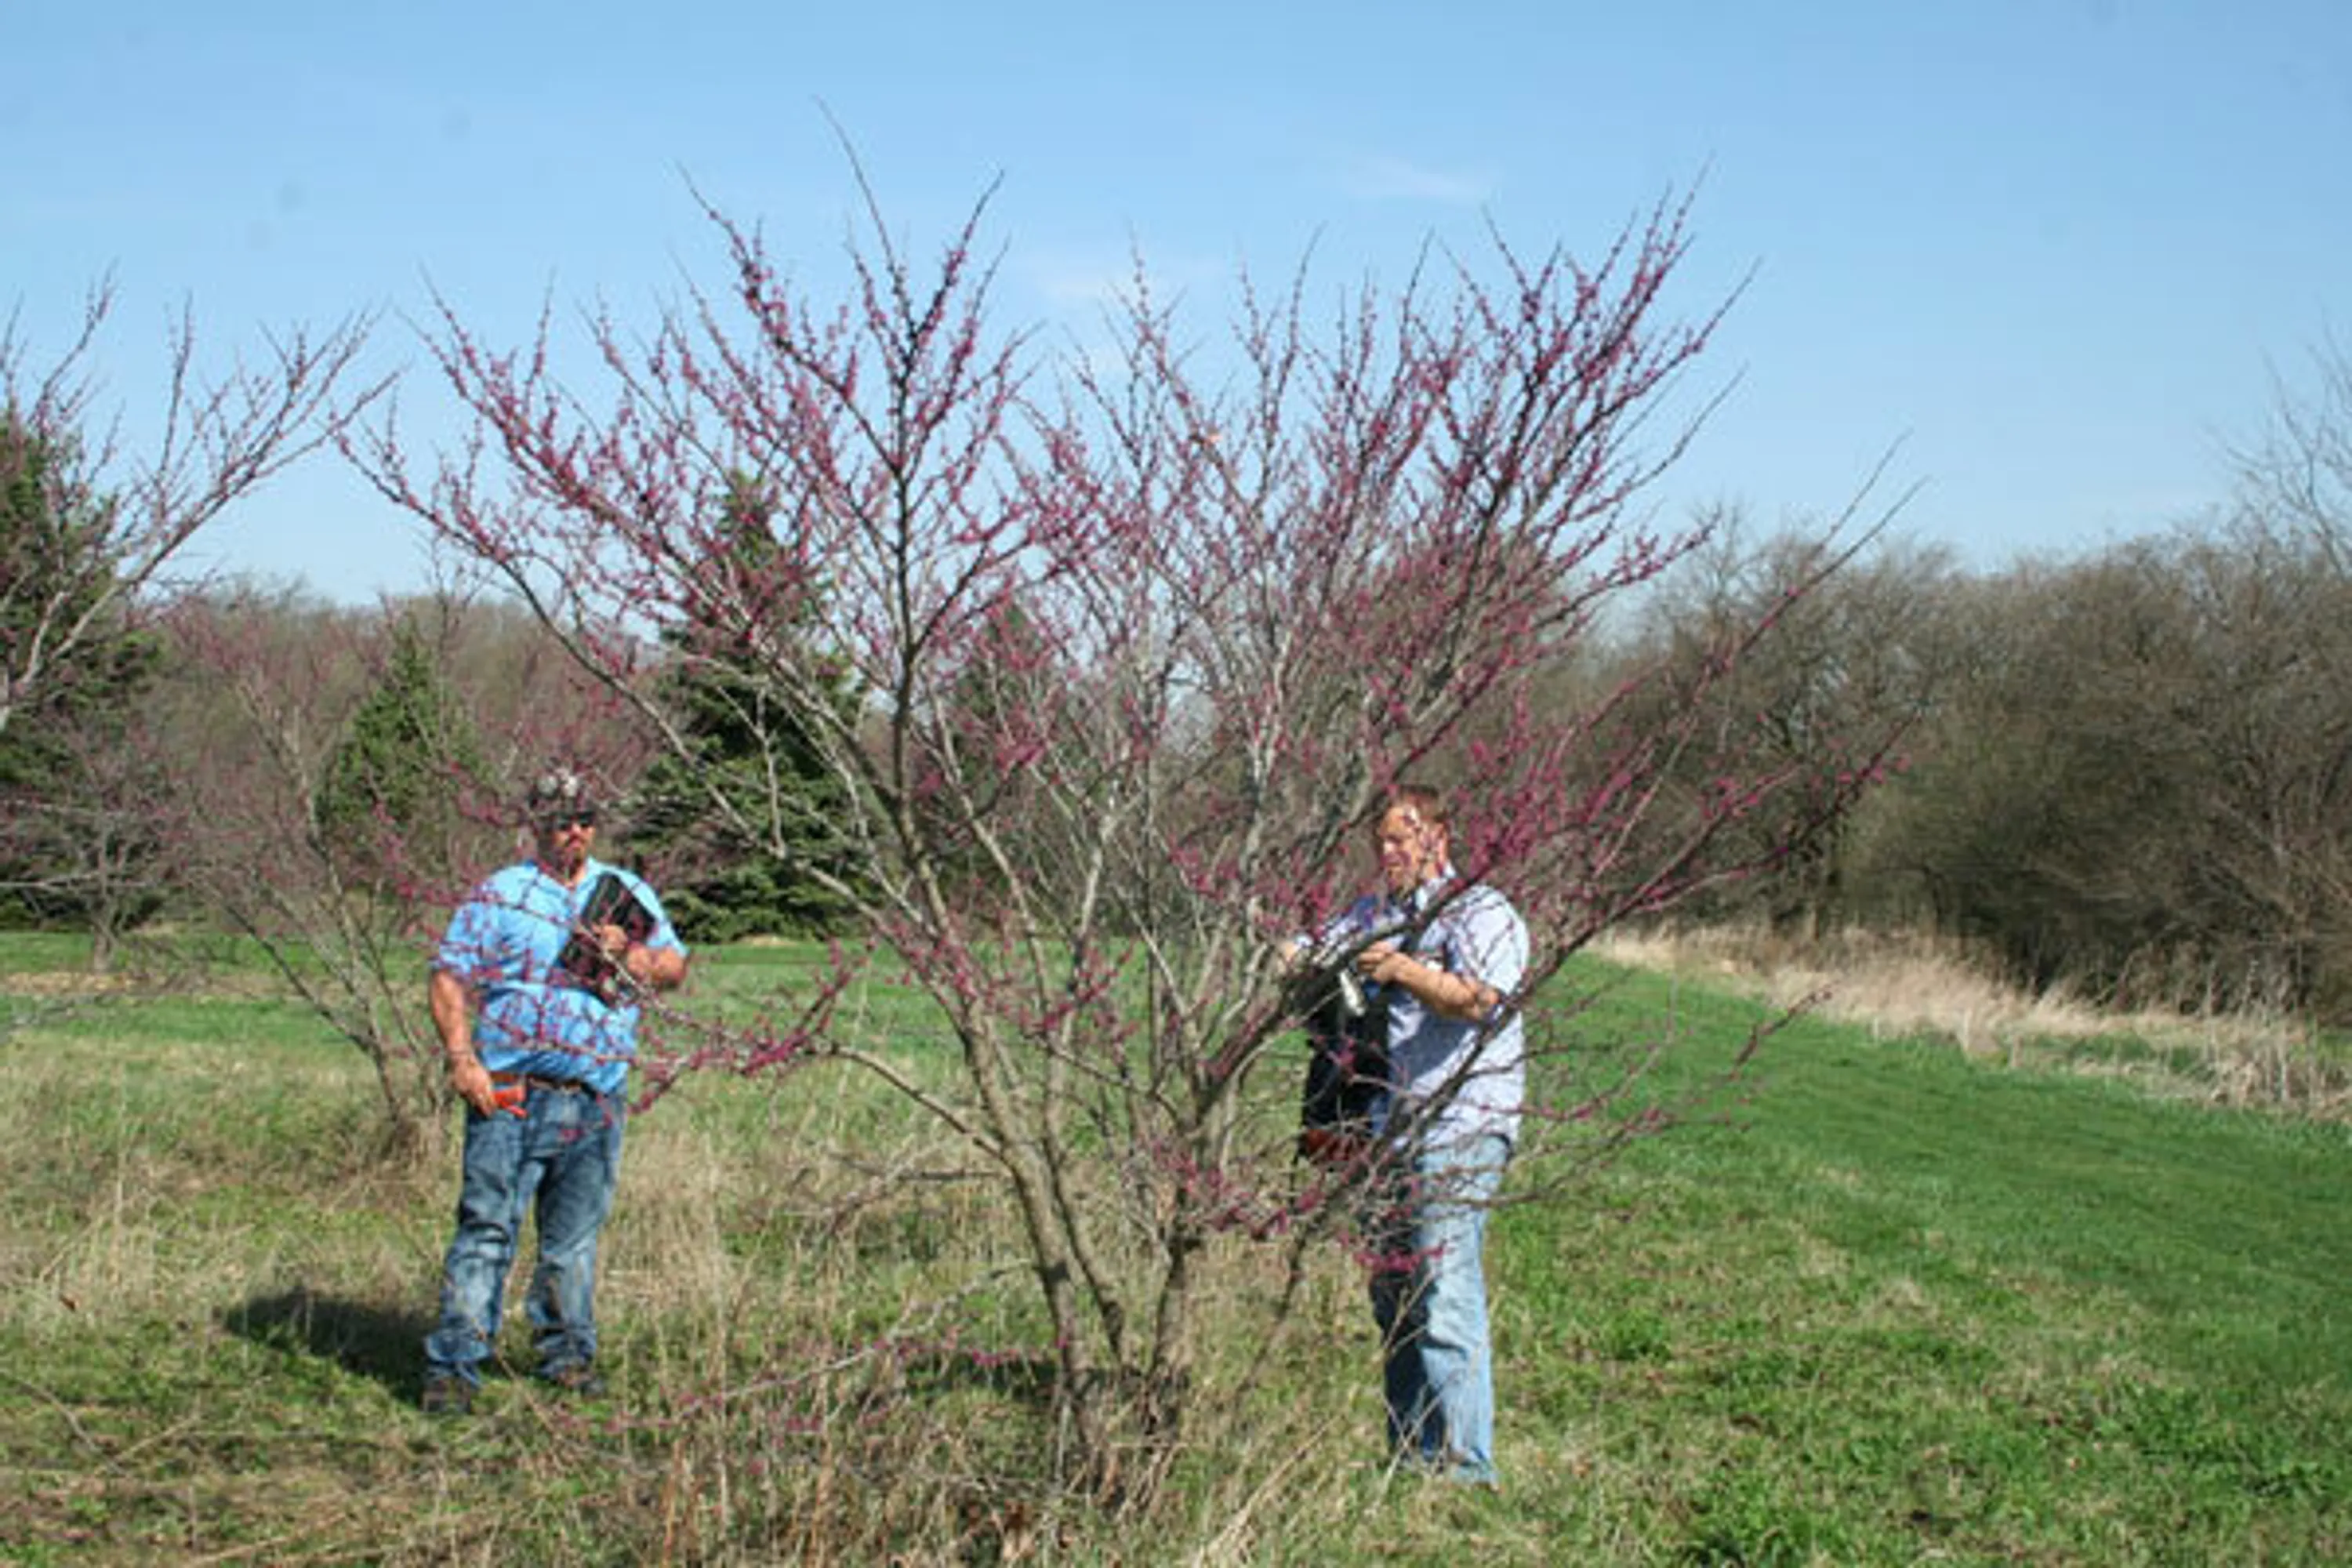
42, 952
1896, 1307
1876, 1303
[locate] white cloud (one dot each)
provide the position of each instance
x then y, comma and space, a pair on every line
1072, 281
1379, 178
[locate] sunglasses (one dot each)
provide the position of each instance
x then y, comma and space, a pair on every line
561, 820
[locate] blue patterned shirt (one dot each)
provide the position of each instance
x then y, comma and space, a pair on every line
503, 943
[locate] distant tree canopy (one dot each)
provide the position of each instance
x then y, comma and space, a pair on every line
2129, 774
2145, 787
1866, 652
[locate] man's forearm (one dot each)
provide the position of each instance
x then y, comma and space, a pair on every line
1439, 990
452, 1005
453, 1015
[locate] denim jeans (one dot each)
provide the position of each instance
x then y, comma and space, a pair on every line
1429, 1297
564, 1154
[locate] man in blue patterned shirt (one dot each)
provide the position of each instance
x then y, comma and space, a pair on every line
535, 992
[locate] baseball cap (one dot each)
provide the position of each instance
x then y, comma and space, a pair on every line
560, 793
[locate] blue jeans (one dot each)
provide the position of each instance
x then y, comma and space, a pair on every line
1438, 1372
564, 1153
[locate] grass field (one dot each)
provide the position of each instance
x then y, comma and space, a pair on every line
1890, 1305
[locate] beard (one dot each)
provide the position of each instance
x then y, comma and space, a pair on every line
564, 854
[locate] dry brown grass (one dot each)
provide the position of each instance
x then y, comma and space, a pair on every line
1916, 987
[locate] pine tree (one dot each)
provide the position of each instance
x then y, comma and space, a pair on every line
753, 750
388, 804
78, 847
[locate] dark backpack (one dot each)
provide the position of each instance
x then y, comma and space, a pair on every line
1348, 1058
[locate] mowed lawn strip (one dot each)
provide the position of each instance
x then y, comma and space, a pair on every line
1879, 1302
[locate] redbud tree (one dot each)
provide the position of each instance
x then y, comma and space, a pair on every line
117, 514
1140, 636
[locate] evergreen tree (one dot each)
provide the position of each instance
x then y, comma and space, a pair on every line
742, 867
54, 574
78, 847
388, 801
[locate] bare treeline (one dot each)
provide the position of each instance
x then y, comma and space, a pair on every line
2128, 772
2125, 773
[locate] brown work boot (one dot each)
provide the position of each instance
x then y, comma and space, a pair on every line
578, 1379
447, 1394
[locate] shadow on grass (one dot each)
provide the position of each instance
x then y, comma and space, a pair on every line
379, 1342
1026, 1377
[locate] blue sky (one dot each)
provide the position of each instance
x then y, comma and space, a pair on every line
2060, 250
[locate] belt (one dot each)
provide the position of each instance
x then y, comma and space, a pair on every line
533, 1080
